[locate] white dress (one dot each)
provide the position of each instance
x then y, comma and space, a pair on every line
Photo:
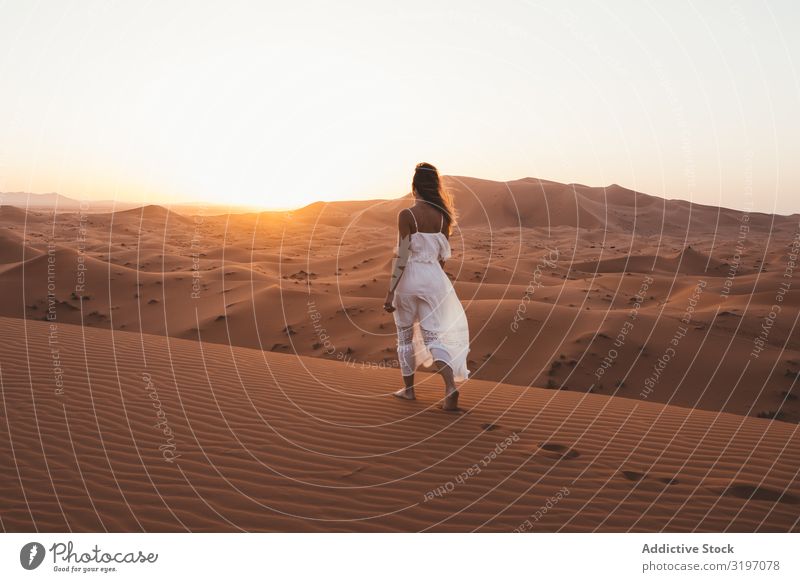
431, 323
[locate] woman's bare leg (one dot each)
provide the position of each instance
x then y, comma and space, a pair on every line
450, 389
407, 393
407, 360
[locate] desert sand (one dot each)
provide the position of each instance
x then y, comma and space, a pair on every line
638, 357
262, 441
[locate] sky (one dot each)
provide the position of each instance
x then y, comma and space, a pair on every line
278, 104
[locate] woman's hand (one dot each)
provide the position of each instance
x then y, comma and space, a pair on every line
387, 305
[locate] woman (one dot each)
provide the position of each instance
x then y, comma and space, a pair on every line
431, 324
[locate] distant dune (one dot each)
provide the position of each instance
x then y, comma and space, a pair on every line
550, 274
531, 203
686, 262
150, 215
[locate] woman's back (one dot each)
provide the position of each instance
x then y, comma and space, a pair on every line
427, 219
428, 245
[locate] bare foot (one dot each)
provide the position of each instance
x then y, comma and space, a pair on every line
450, 403
405, 394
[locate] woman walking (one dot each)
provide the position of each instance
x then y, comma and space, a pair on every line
431, 324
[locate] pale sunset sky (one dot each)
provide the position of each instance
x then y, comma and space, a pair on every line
278, 104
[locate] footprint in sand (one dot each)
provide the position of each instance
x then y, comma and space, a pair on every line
633, 475
558, 451
757, 493
637, 476
352, 472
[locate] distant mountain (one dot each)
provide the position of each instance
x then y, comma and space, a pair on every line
28, 200
62, 203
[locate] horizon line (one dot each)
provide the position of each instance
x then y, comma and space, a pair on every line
249, 208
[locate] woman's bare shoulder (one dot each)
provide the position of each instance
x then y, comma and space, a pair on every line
404, 216
405, 221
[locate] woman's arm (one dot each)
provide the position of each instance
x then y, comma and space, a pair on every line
401, 259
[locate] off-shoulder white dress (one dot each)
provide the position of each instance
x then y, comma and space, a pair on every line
431, 323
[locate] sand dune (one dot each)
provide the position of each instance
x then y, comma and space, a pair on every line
532, 202
260, 442
546, 303
149, 215
687, 262
12, 248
